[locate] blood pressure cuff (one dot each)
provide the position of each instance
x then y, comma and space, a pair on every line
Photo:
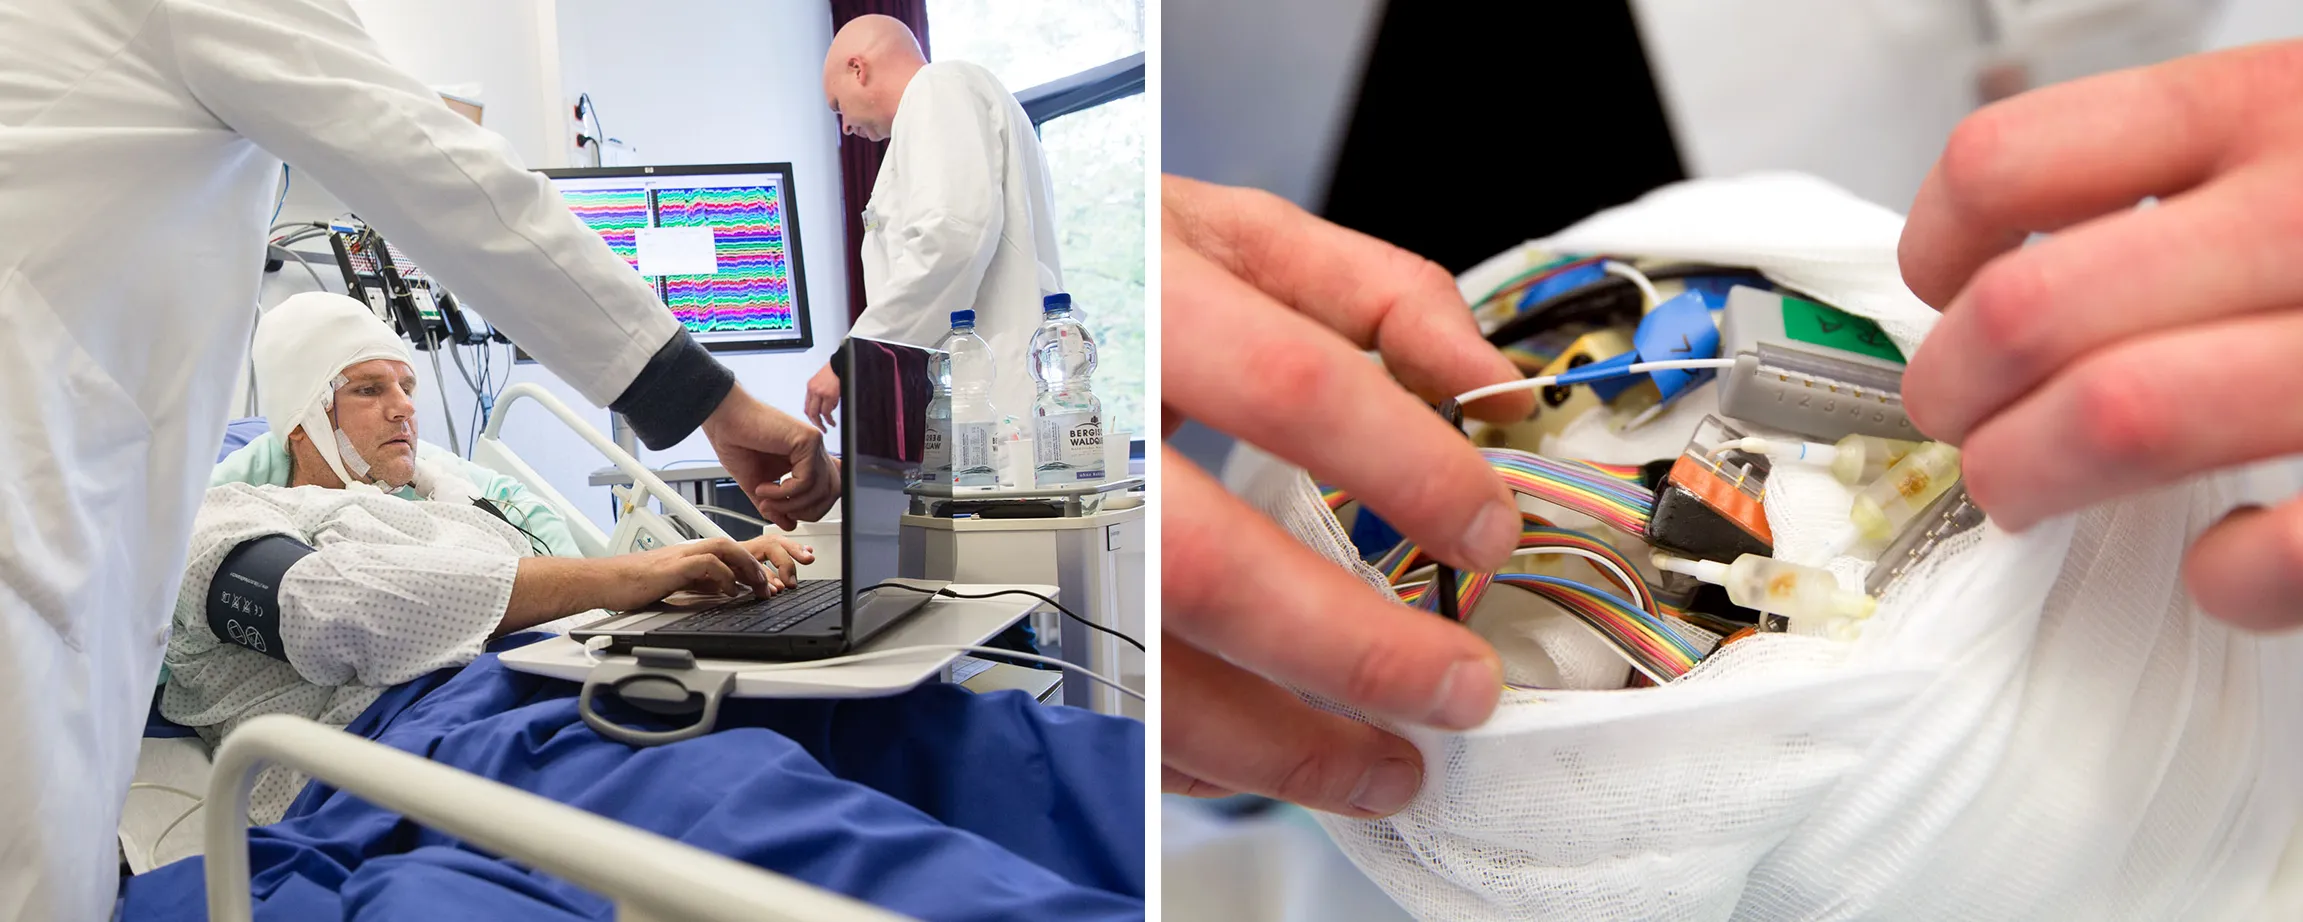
244, 598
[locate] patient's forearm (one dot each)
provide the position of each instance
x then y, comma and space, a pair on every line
551, 588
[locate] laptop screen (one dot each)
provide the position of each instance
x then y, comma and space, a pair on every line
883, 417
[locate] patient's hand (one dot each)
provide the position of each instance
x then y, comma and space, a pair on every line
782, 556
712, 566
778, 459
550, 588
1276, 308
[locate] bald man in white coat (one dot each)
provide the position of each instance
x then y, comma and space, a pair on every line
140, 152
960, 218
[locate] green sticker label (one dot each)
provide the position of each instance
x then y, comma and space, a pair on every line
1809, 322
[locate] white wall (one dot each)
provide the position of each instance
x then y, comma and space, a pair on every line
509, 49
690, 81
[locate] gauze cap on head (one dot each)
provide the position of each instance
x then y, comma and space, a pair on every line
301, 347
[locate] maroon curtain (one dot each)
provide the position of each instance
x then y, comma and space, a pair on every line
860, 159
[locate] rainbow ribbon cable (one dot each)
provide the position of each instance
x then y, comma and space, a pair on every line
1660, 647
1535, 535
1334, 498
1602, 493
1535, 531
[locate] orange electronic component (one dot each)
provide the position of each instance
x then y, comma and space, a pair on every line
1709, 506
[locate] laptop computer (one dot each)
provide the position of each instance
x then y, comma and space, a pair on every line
884, 393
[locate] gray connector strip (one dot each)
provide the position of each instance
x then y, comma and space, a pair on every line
1814, 395
1949, 516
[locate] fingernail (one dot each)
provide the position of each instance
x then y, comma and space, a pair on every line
1492, 536
1387, 787
1466, 695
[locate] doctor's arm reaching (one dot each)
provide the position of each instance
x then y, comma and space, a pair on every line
302, 79
1246, 607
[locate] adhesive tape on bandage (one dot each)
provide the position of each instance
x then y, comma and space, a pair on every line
351, 456
354, 464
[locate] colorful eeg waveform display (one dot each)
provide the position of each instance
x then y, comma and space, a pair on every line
617, 214
752, 290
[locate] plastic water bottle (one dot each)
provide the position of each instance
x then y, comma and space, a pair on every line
962, 422
1067, 416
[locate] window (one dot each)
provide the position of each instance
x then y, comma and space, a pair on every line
1077, 65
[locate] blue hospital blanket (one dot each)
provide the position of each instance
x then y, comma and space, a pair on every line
935, 803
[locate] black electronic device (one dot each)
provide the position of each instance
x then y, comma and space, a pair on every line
396, 289
885, 390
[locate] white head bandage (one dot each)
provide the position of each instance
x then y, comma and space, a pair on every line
302, 348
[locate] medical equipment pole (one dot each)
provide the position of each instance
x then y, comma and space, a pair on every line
647, 875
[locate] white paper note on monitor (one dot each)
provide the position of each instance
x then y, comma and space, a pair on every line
678, 251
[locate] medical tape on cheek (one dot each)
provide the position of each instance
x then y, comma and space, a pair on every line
358, 466
244, 598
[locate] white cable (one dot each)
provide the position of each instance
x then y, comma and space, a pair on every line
300, 260
1646, 288
447, 416
152, 851
1537, 383
152, 854
945, 648
738, 516
1621, 578
149, 786
596, 644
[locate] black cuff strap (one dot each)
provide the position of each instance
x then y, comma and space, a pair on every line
244, 598
681, 386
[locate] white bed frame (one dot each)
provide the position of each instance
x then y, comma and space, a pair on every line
651, 878
638, 528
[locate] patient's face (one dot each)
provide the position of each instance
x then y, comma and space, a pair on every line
376, 408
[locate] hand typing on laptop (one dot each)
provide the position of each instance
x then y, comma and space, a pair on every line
549, 588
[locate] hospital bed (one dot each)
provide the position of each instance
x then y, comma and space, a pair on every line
646, 875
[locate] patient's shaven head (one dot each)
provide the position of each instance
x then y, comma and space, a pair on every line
871, 61
375, 409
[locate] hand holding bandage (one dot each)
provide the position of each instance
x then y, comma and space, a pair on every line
1267, 312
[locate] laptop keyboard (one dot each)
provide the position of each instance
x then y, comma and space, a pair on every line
771, 615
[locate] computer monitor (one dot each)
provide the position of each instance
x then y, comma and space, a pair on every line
720, 244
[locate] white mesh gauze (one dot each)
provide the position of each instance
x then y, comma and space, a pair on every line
2035, 726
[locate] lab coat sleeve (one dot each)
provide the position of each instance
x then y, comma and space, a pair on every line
303, 79
944, 217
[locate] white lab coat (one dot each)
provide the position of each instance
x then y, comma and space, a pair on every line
1864, 93
140, 148
962, 218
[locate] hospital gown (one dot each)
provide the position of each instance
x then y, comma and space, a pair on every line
264, 460
396, 590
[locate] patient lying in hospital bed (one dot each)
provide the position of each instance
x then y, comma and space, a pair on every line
365, 588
